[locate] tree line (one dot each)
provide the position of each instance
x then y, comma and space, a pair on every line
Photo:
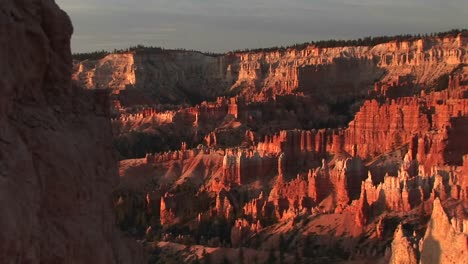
331, 43
367, 41
138, 49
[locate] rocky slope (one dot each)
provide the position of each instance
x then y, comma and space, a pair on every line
57, 167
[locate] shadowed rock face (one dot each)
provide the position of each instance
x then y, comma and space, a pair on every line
57, 167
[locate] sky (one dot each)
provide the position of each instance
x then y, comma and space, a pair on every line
222, 25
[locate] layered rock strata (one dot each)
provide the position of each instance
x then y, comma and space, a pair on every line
263, 75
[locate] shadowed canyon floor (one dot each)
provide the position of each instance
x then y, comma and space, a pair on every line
309, 154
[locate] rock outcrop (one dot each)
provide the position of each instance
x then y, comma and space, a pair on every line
405, 120
403, 250
57, 166
446, 240
173, 76
363, 210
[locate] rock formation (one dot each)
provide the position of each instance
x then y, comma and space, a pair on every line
200, 75
446, 240
57, 165
362, 214
338, 151
403, 251
291, 71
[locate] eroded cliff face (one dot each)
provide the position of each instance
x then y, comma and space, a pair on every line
335, 74
328, 75
57, 167
161, 76
115, 70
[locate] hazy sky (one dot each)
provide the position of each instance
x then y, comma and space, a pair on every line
222, 25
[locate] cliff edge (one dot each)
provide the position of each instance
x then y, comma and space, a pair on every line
57, 167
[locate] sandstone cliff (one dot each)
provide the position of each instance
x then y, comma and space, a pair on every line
57, 167
347, 72
165, 76
330, 75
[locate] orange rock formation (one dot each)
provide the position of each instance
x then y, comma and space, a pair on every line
345, 148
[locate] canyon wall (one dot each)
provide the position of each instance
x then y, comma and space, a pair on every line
343, 74
332, 75
57, 167
168, 76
